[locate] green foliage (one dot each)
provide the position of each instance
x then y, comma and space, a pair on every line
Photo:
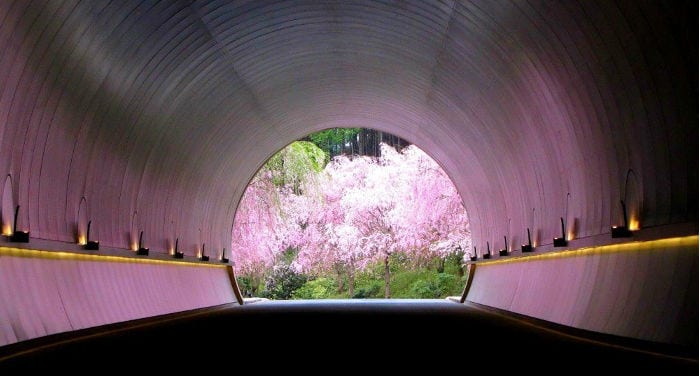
424, 289
440, 286
309, 156
294, 165
369, 289
319, 288
245, 285
282, 282
407, 282
287, 256
332, 141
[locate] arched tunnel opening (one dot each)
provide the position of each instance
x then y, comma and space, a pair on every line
568, 127
350, 213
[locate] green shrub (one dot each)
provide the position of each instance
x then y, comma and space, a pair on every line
446, 283
282, 282
440, 286
369, 289
320, 288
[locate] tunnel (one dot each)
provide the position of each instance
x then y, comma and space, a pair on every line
569, 128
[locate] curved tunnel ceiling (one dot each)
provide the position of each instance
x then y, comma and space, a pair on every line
159, 112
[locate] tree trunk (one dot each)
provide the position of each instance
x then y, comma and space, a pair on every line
351, 278
387, 277
351, 283
254, 283
339, 272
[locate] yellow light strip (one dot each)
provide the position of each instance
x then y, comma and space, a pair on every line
649, 245
64, 255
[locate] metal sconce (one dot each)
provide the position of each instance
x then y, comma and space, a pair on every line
527, 247
177, 254
90, 245
621, 231
223, 258
504, 252
203, 257
141, 251
18, 236
487, 255
561, 242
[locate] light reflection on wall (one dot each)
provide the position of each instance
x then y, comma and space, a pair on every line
634, 224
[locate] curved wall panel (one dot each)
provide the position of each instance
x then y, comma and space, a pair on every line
645, 290
43, 294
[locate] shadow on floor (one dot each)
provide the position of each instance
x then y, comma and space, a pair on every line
331, 337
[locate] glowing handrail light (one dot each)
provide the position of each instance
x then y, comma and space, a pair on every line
504, 251
18, 236
141, 251
527, 247
90, 245
621, 231
561, 242
177, 254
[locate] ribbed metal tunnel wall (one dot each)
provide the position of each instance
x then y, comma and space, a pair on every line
158, 113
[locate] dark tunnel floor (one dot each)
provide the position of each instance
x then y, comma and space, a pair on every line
331, 337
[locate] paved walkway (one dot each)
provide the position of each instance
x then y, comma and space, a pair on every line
337, 337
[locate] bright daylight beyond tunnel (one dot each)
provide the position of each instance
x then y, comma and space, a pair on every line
350, 213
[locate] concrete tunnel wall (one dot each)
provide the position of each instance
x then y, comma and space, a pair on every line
153, 116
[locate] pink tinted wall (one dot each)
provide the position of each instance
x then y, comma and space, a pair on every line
40, 296
643, 290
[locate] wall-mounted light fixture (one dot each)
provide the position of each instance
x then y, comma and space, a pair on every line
90, 245
223, 256
203, 257
504, 252
487, 255
621, 231
527, 247
474, 256
177, 254
141, 251
561, 241
18, 236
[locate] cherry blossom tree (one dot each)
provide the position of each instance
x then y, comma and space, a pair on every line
255, 240
332, 242
272, 209
435, 222
355, 212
